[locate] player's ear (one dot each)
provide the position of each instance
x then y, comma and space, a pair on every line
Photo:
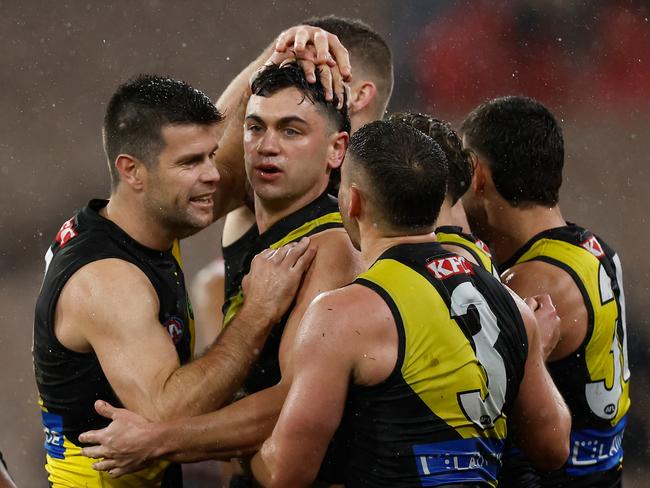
131, 170
479, 180
338, 146
361, 96
355, 203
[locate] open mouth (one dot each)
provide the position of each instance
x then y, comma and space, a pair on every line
268, 169
202, 200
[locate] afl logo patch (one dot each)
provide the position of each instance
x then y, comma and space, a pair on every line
174, 327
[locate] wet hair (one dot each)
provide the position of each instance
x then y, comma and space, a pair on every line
458, 159
523, 146
406, 173
141, 107
368, 50
274, 78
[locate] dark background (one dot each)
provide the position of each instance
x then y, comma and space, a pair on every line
589, 61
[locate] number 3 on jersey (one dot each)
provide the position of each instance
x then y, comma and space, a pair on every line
482, 411
604, 401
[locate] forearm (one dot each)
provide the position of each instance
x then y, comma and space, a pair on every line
211, 381
230, 155
236, 430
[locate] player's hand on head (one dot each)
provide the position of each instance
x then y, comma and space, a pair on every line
548, 321
329, 49
274, 278
123, 446
321, 56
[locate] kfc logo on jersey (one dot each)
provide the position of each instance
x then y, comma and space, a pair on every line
450, 266
484, 247
66, 232
174, 327
593, 246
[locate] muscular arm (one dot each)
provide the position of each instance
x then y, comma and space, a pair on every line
111, 307
541, 421
536, 277
239, 428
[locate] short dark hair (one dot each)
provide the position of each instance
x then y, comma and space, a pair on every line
139, 109
406, 171
458, 159
522, 142
366, 47
274, 78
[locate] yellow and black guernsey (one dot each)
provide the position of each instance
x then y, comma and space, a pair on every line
449, 234
69, 382
594, 380
318, 216
439, 419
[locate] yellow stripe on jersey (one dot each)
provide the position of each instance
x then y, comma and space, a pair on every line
604, 356
485, 260
176, 252
237, 301
307, 227
439, 362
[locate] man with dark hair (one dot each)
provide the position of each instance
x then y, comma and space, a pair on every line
432, 353
113, 320
513, 205
452, 220
370, 91
293, 138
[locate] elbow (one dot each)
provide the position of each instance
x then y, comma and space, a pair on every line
282, 480
554, 449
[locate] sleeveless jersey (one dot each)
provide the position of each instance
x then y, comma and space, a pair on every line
449, 234
597, 390
440, 417
319, 215
69, 382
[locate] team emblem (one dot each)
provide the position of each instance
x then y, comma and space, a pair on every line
174, 327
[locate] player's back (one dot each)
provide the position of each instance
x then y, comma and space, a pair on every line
597, 390
440, 417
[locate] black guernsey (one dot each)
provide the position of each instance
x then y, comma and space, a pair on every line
440, 418
319, 215
69, 382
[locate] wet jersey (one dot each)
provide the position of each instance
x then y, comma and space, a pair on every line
449, 234
69, 382
319, 215
440, 417
597, 388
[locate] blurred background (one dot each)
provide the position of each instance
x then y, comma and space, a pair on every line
589, 61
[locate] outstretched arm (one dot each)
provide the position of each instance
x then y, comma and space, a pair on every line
239, 428
112, 305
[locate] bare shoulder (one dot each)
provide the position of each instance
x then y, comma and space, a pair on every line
536, 277
353, 322
335, 250
98, 298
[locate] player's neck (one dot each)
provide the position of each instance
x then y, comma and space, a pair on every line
137, 223
452, 215
374, 242
269, 212
513, 227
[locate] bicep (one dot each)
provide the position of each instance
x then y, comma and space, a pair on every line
117, 314
316, 398
335, 265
